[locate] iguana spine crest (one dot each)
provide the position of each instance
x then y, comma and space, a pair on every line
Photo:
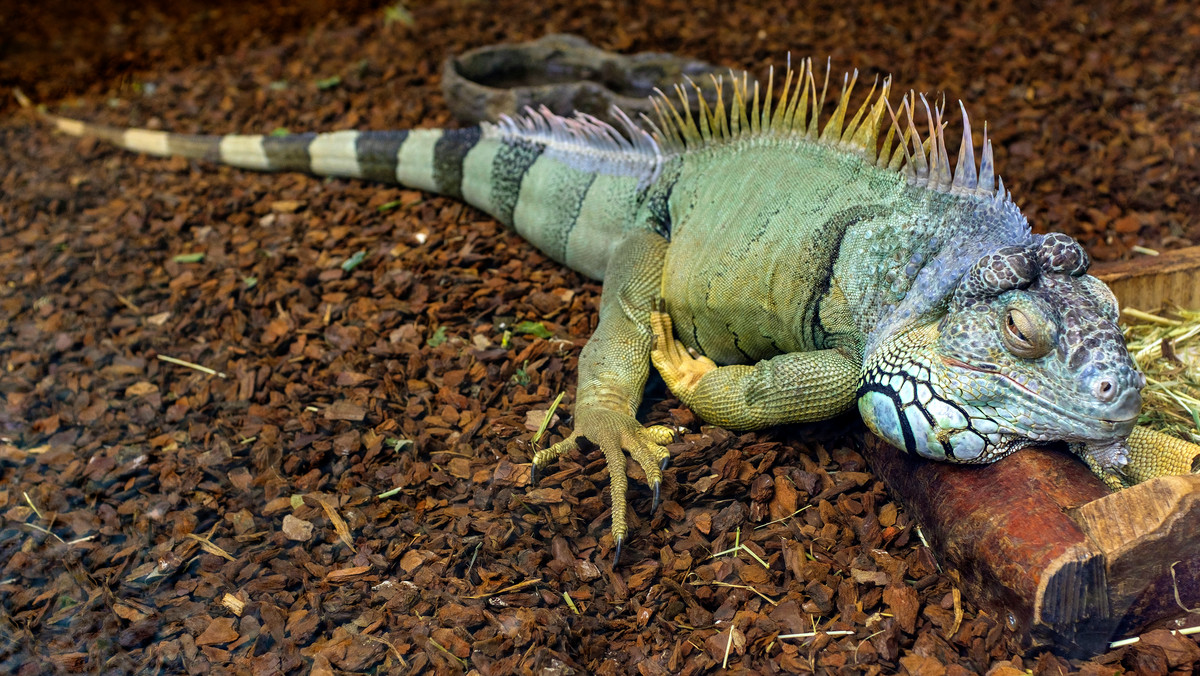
798, 115
587, 143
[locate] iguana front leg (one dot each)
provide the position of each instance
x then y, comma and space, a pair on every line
794, 387
612, 374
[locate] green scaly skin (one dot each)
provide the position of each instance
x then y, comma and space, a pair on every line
775, 268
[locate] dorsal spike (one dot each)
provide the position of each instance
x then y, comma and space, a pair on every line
945, 173
936, 142
755, 116
895, 131
747, 125
1000, 193
833, 128
690, 130
964, 169
850, 134
920, 168
764, 123
901, 154
779, 118
737, 108
720, 120
656, 132
987, 166
800, 119
873, 125
669, 117
818, 103
793, 100
705, 115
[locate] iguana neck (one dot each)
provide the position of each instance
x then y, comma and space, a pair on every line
907, 279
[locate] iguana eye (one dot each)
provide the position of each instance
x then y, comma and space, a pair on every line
1022, 336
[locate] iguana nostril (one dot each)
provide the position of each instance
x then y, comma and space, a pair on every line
1105, 389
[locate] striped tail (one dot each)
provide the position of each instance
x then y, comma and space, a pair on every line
425, 159
569, 186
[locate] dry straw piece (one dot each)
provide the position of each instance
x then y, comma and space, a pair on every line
1166, 348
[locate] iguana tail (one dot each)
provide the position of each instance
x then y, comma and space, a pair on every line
569, 186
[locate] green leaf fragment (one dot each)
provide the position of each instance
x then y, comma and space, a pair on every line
534, 329
280, 131
189, 258
329, 82
397, 13
388, 206
438, 337
353, 261
521, 376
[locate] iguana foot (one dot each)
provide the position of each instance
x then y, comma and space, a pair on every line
615, 433
679, 369
1106, 461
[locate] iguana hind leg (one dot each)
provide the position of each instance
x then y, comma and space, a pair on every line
794, 387
612, 374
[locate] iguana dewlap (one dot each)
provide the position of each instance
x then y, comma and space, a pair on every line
809, 264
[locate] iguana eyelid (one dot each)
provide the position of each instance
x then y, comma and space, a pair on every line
1023, 336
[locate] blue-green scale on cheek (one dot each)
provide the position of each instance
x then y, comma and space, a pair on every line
946, 416
924, 435
967, 445
880, 414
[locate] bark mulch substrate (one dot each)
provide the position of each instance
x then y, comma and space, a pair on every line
350, 493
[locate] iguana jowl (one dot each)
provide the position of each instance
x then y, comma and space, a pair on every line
823, 262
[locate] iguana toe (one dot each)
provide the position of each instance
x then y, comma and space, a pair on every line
548, 455
653, 457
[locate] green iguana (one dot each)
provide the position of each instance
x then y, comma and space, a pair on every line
824, 262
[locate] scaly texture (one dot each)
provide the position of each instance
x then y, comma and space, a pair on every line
808, 263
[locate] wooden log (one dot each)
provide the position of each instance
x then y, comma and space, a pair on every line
1149, 282
1039, 541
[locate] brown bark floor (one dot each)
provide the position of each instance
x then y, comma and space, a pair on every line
157, 519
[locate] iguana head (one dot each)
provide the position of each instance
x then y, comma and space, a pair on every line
1029, 352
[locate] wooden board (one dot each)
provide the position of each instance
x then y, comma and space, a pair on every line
1149, 282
